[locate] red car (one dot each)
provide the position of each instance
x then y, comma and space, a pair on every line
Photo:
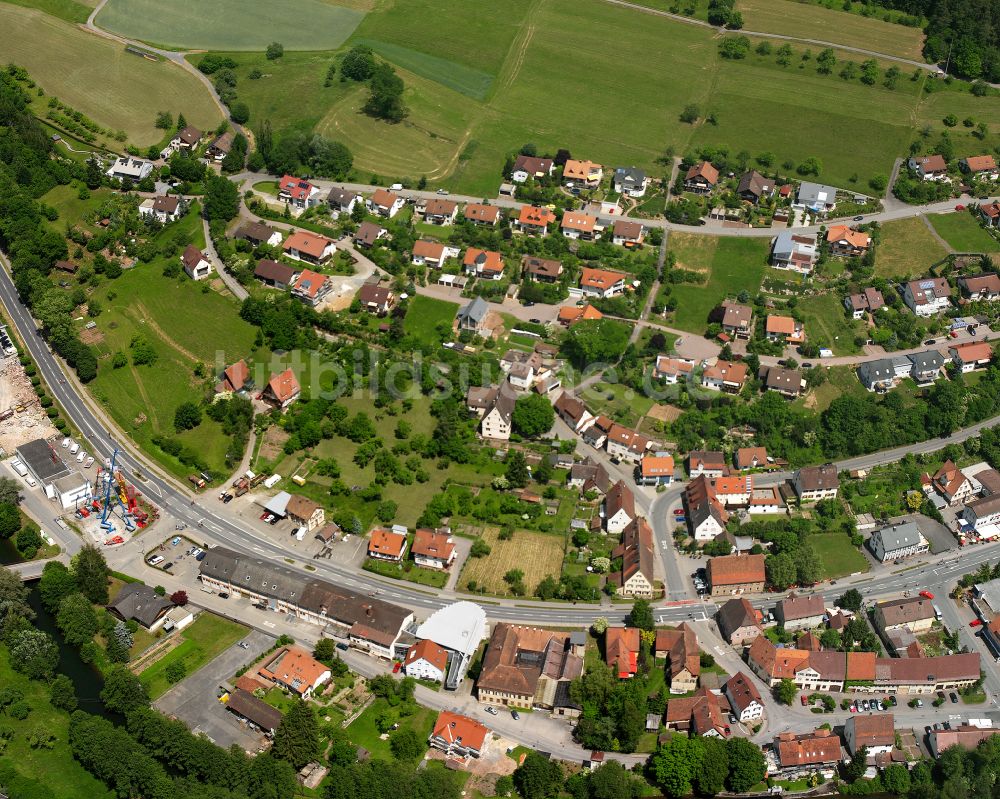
803, 699
678, 511
396, 666
927, 595
976, 623
953, 334
959, 207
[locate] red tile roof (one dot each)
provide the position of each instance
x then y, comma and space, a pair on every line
283, 386
429, 651
456, 729
736, 570
386, 542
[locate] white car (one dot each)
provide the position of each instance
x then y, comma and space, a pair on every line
155, 560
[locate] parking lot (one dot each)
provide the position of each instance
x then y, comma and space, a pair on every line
195, 700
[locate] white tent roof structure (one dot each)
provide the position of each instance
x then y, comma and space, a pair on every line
459, 627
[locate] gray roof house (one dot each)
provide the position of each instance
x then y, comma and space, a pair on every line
897, 541
630, 181
471, 316
141, 603
926, 365
885, 372
817, 197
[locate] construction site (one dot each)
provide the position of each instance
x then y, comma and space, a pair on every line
22, 418
115, 509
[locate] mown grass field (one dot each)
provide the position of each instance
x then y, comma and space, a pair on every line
207, 637
815, 22
538, 555
97, 77
963, 232
68, 10
907, 248
828, 324
231, 24
55, 768
837, 555
730, 265
363, 731
424, 316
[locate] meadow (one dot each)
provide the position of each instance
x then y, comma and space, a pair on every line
837, 555
424, 316
963, 232
538, 555
231, 24
902, 239
815, 22
730, 265
97, 77
68, 10
828, 324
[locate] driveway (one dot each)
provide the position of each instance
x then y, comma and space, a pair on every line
194, 700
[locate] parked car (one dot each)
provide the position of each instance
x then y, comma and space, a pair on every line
223, 595
930, 341
854, 707
342, 646
858, 218
155, 559
927, 595
953, 697
515, 715
803, 700
396, 667
491, 710
678, 511
959, 207
976, 623
442, 192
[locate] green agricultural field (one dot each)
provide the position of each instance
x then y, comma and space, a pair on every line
56, 769
68, 10
828, 324
907, 249
815, 22
206, 638
730, 265
963, 232
231, 24
837, 555
423, 317
97, 77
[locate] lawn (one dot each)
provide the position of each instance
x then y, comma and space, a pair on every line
423, 316
414, 574
815, 22
538, 555
231, 24
837, 555
963, 232
56, 769
840, 380
208, 636
907, 249
828, 324
363, 732
730, 265
622, 403
99, 78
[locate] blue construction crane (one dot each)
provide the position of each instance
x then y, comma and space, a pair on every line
112, 497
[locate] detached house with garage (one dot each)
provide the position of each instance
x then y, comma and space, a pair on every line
281, 390
433, 549
481, 215
980, 167
258, 234
929, 167
631, 182
385, 203
868, 301
795, 251
499, 409
737, 320
628, 234
432, 253
534, 221
626, 444
386, 545
376, 299
187, 138
577, 225
727, 376
163, 209
573, 412
426, 661
312, 288
701, 178
672, 370
275, 273
754, 187
972, 355
528, 167
305, 246
784, 329
656, 470
484, 264
297, 192
990, 214
220, 147
928, 296
541, 270
584, 173
601, 283
341, 201
197, 266
440, 212
846, 242
787, 382
983, 288
817, 198
459, 736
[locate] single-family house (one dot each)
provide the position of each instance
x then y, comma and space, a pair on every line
368, 233
800, 612
294, 669
897, 541
258, 234
498, 412
298, 192
952, 484
679, 647
376, 299
868, 301
619, 508
235, 377
589, 475
877, 732
541, 270
473, 316
127, 167
569, 315
305, 512
701, 178
458, 736
929, 167
927, 296
787, 382
625, 444
302, 245
485, 264
426, 660
672, 370
627, 233
734, 489
744, 698
573, 412
727, 376
847, 242
737, 320
140, 603
275, 273
706, 515
990, 214
528, 167
533, 220
636, 551
440, 212
813, 483
784, 329
312, 288
817, 198
187, 138
738, 622
754, 187
432, 253
341, 201
971, 355
980, 167
701, 715
195, 263
220, 146
621, 650
820, 748
630, 181
926, 366
584, 173
601, 283
656, 470
985, 287
385, 203
750, 458
386, 545
162, 208
481, 214
795, 251
281, 390
433, 549
710, 463
577, 225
